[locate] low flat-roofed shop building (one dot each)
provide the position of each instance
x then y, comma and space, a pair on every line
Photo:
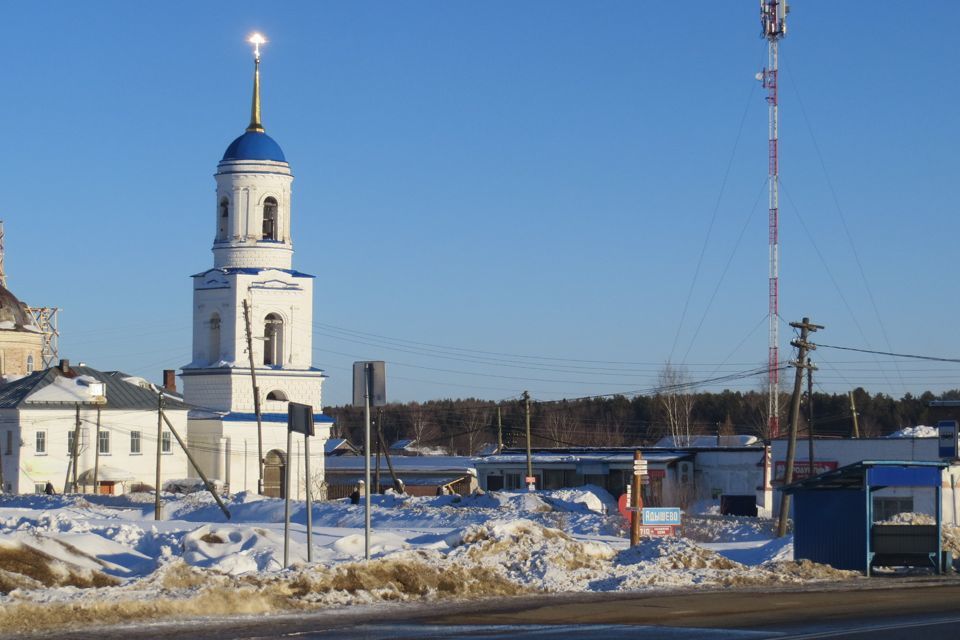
421, 475
677, 476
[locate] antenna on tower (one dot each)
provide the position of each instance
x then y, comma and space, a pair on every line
773, 17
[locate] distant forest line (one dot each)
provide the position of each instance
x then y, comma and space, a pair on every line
464, 426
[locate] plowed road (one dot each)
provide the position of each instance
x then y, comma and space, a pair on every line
878, 608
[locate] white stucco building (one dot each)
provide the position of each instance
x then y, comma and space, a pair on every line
252, 264
39, 417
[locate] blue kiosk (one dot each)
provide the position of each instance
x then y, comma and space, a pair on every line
833, 517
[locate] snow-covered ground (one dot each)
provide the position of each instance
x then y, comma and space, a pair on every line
103, 559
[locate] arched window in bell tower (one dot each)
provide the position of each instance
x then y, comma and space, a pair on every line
214, 343
273, 340
270, 219
223, 218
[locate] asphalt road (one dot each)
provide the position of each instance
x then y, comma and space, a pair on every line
875, 609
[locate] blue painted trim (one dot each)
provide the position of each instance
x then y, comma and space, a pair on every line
252, 271
318, 418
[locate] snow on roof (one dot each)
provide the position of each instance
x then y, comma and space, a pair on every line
405, 464
671, 442
488, 449
332, 444
919, 431
616, 457
106, 473
63, 389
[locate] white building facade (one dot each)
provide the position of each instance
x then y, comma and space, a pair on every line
116, 417
252, 275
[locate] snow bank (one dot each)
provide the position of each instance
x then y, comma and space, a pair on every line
102, 559
920, 431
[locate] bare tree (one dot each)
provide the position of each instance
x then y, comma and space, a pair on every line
557, 427
420, 426
476, 429
675, 402
612, 427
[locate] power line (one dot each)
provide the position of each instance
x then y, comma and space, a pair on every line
888, 353
713, 219
843, 219
449, 348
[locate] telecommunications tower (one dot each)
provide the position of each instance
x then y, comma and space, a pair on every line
773, 17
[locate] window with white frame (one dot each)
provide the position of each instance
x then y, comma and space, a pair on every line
135, 442
166, 445
41, 443
103, 442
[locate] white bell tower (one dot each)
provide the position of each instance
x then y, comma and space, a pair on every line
252, 263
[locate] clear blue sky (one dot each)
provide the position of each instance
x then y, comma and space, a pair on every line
528, 178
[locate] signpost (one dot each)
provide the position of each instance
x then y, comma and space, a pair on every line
663, 516
649, 522
947, 435
636, 499
369, 389
300, 420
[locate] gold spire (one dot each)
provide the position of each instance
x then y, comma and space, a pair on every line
256, 40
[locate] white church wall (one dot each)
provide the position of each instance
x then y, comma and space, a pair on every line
236, 461
253, 256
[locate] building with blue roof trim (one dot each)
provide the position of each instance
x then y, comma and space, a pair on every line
253, 327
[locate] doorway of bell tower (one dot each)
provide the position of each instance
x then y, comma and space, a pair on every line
274, 470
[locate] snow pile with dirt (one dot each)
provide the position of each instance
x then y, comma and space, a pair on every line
102, 559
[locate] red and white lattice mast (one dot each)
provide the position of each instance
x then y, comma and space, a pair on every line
773, 14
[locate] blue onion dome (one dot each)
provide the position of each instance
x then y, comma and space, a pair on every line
254, 145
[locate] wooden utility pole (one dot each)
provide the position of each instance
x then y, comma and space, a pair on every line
806, 327
853, 412
499, 431
96, 457
531, 486
256, 396
386, 454
636, 499
810, 369
156, 499
76, 447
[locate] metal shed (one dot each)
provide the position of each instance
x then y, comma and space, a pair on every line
833, 517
